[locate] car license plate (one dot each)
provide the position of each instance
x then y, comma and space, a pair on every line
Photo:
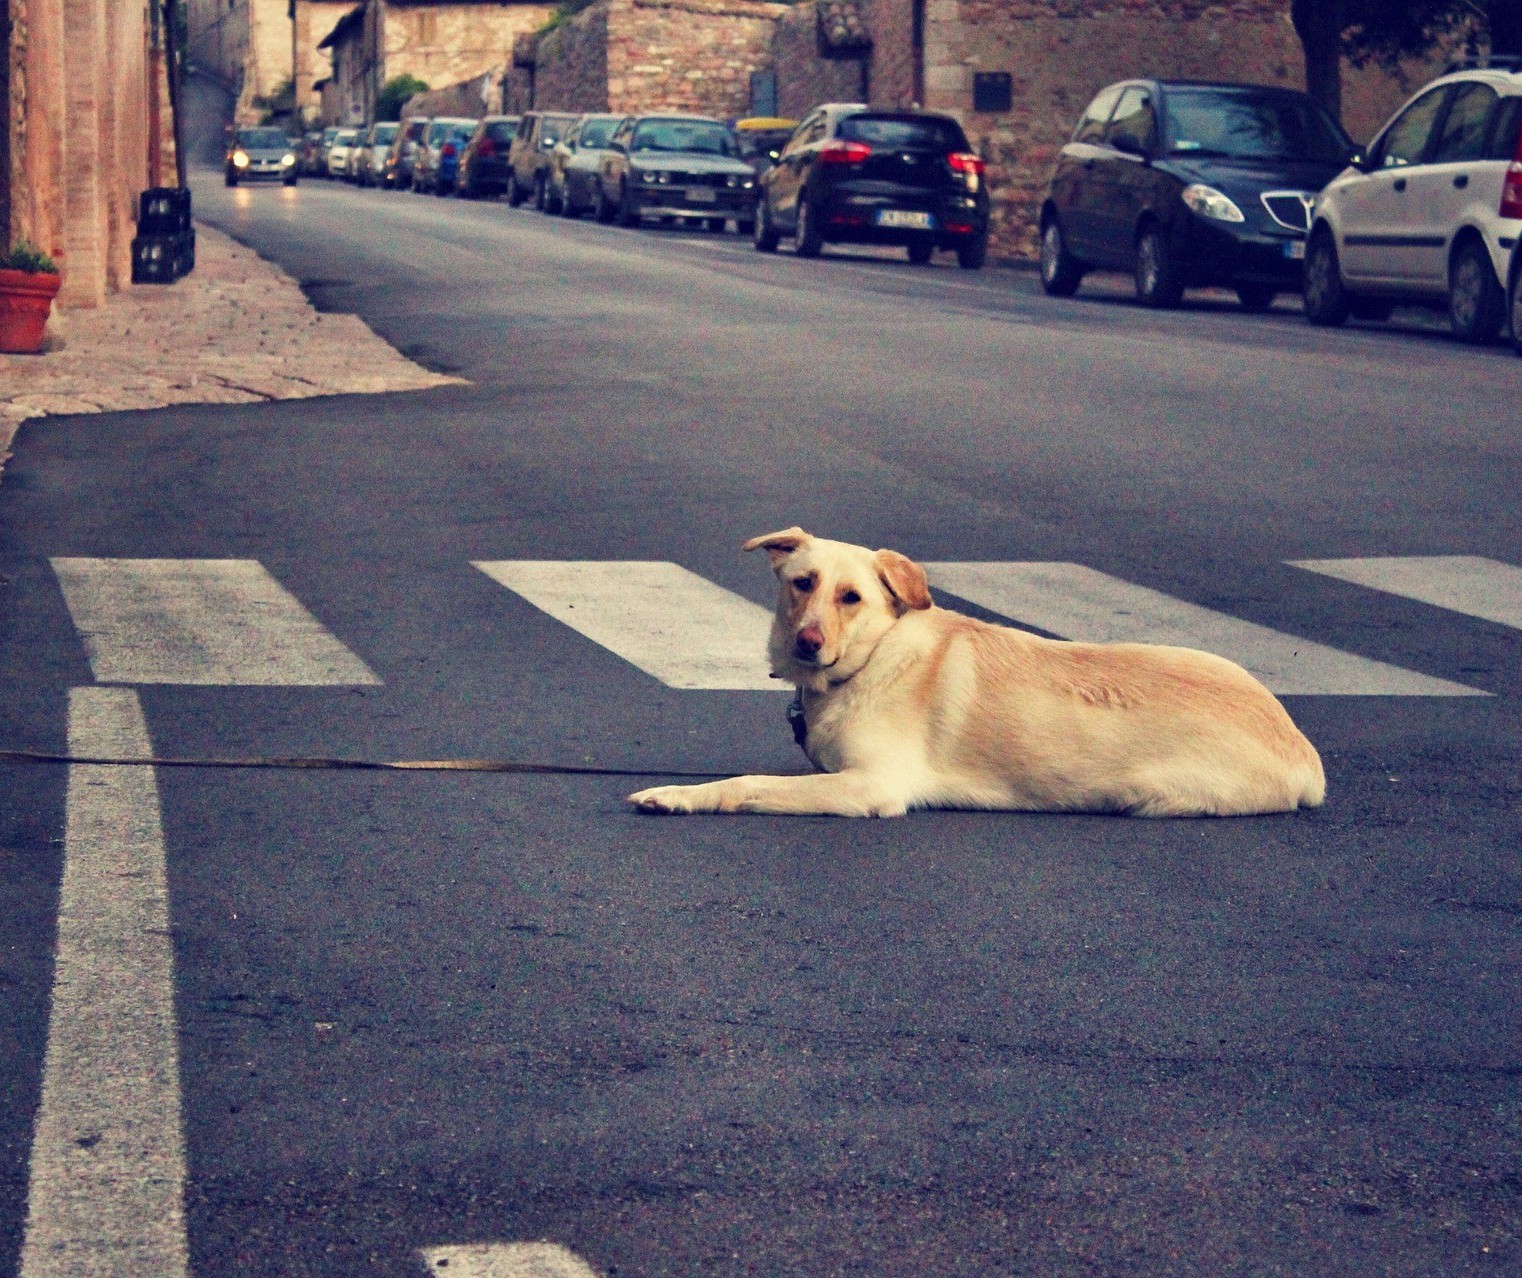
904, 218
701, 195
1295, 249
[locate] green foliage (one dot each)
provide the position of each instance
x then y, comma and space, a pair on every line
394, 94
29, 258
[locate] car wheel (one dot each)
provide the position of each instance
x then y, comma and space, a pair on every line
1326, 297
567, 204
1061, 272
554, 199
971, 254
604, 210
541, 194
1159, 281
1256, 297
1476, 305
920, 251
628, 207
1514, 308
515, 192
807, 241
763, 234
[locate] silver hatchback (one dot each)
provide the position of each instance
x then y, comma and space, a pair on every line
1430, 213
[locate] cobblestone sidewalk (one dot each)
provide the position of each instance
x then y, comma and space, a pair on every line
236, 330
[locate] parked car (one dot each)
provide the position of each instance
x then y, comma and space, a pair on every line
483, 163
1430, 213
436, 163
575, 163
260, 153
320, 161
1187, 184
1514, 275
528, 158
675, 166
338, 152
371, 152
762, 138
404, 152
309, 152
853, 175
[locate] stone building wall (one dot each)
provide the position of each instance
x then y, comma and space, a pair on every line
804, 77
217, 39
311, 22
570, 71
447, 44
78, 137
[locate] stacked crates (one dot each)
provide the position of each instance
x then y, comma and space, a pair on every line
165, 246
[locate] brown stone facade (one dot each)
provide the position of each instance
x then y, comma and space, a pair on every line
311, 20
247, 45
649, 55
84, 88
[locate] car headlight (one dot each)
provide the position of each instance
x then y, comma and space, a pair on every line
1208, 202
240, 160
649, 176
288, 159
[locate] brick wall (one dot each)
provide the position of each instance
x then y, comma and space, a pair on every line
804, 78
571, 64
448, 44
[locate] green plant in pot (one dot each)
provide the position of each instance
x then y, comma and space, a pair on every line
28, 283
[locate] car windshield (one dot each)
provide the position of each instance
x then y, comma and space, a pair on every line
502, 130
553, 128
595, 133
889, 131
263, 139
1245, 126
385, 132
708, 137
441, 129
345, 137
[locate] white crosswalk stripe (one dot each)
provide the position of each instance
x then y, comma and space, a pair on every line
508, 1260
672, 624
1470, 584
1077, 602
199, 621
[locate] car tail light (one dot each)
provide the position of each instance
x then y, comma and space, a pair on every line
966, 162
959, 228
839, 152
447, 150
1511, 186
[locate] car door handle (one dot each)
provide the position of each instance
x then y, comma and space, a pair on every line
1461, 181
1400, 184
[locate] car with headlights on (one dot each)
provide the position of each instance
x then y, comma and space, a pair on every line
1430, 214
685, 167
857, 175
571, 188
1190, 184
255, 153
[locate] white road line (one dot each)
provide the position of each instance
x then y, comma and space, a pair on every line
200, 621
1081, 603
106, 1196
671, 623
507, 1260
1470, 584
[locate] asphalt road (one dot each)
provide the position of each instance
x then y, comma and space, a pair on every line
421, 1010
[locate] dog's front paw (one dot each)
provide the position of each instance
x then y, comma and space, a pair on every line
663, 799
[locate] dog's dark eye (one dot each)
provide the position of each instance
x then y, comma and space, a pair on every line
803, 584
850, 597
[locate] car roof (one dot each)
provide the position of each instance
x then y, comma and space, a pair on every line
674, 116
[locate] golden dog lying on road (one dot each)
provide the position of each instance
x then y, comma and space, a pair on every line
908, 705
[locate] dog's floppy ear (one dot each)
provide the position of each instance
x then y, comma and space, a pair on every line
779, 545
904, 578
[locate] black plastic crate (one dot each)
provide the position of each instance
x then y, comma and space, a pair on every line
163, 210
162, 259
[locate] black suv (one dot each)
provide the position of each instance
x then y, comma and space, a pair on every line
1189, 184
528, 158
853, 175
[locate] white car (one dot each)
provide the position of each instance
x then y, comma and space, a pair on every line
1430, 213
338, 153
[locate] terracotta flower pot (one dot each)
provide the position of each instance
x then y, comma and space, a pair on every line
26, 298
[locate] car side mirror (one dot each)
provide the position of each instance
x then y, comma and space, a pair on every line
619, 147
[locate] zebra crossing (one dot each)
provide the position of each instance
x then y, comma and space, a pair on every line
230, 622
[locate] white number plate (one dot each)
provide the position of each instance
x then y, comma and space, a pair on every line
901, 217
701, 195
1295, 249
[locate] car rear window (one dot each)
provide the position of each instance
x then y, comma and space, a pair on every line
1506, 131
930, 133
553, 127
595, 133
385, 133
502, 130
1252, 126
